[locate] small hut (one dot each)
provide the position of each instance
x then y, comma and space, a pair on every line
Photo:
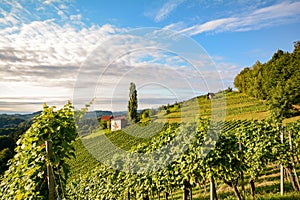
117, 123
210, 95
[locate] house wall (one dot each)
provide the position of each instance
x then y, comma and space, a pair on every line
117, 124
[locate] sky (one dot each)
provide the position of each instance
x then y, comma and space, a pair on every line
52, 51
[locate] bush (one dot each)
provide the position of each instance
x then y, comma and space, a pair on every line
5, 155
7, 142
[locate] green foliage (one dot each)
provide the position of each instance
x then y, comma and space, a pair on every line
105, 124
7, 142
7, 121
238, 106
132, 104
6, 131
281, 102
145, 116
141, 130
5, 155
26, 176
260, 143
7, 146
276, 80
229, 89
287, 153
242, 146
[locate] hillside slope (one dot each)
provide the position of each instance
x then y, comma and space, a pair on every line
236, 105
239, 106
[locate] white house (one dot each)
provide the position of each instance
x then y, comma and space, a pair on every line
117, 123
210, 95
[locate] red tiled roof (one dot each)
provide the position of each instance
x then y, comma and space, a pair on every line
105, 118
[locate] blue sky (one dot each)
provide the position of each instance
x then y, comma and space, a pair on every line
45, 45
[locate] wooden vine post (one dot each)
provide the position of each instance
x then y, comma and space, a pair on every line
50, 174
211, 190
281, 168
213, 193
243, 194
185, 190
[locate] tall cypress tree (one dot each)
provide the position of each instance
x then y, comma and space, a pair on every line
132, 103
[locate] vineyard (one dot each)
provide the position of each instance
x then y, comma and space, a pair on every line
238, 106
243, 153
200, 159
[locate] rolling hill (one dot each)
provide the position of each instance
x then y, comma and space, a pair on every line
239, 106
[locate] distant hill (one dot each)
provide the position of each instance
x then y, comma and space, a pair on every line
27, 116
96, 114
13, 120
7, 121
15, 124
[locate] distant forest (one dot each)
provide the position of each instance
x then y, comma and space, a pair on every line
277, 80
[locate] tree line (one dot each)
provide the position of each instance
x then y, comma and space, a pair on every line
276, 81
10, 130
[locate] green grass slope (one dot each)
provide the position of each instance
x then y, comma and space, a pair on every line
235, 105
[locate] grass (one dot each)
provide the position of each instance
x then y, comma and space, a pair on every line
235, 105
290, 120
95, 134
289, 196
83, 162
267, 187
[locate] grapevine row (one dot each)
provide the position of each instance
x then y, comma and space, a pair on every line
192, 158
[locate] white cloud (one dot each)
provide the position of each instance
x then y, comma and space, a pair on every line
144, 60
175, 26
41, 58
209, 26
63, 6
75, 17
166, 9
286, 12
40, 61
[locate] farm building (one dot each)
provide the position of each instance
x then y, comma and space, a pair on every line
210, 95
117, 123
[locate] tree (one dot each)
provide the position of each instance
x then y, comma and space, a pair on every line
280, 102
145, 117
132, 103
276, 81
6, 142
5, 155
